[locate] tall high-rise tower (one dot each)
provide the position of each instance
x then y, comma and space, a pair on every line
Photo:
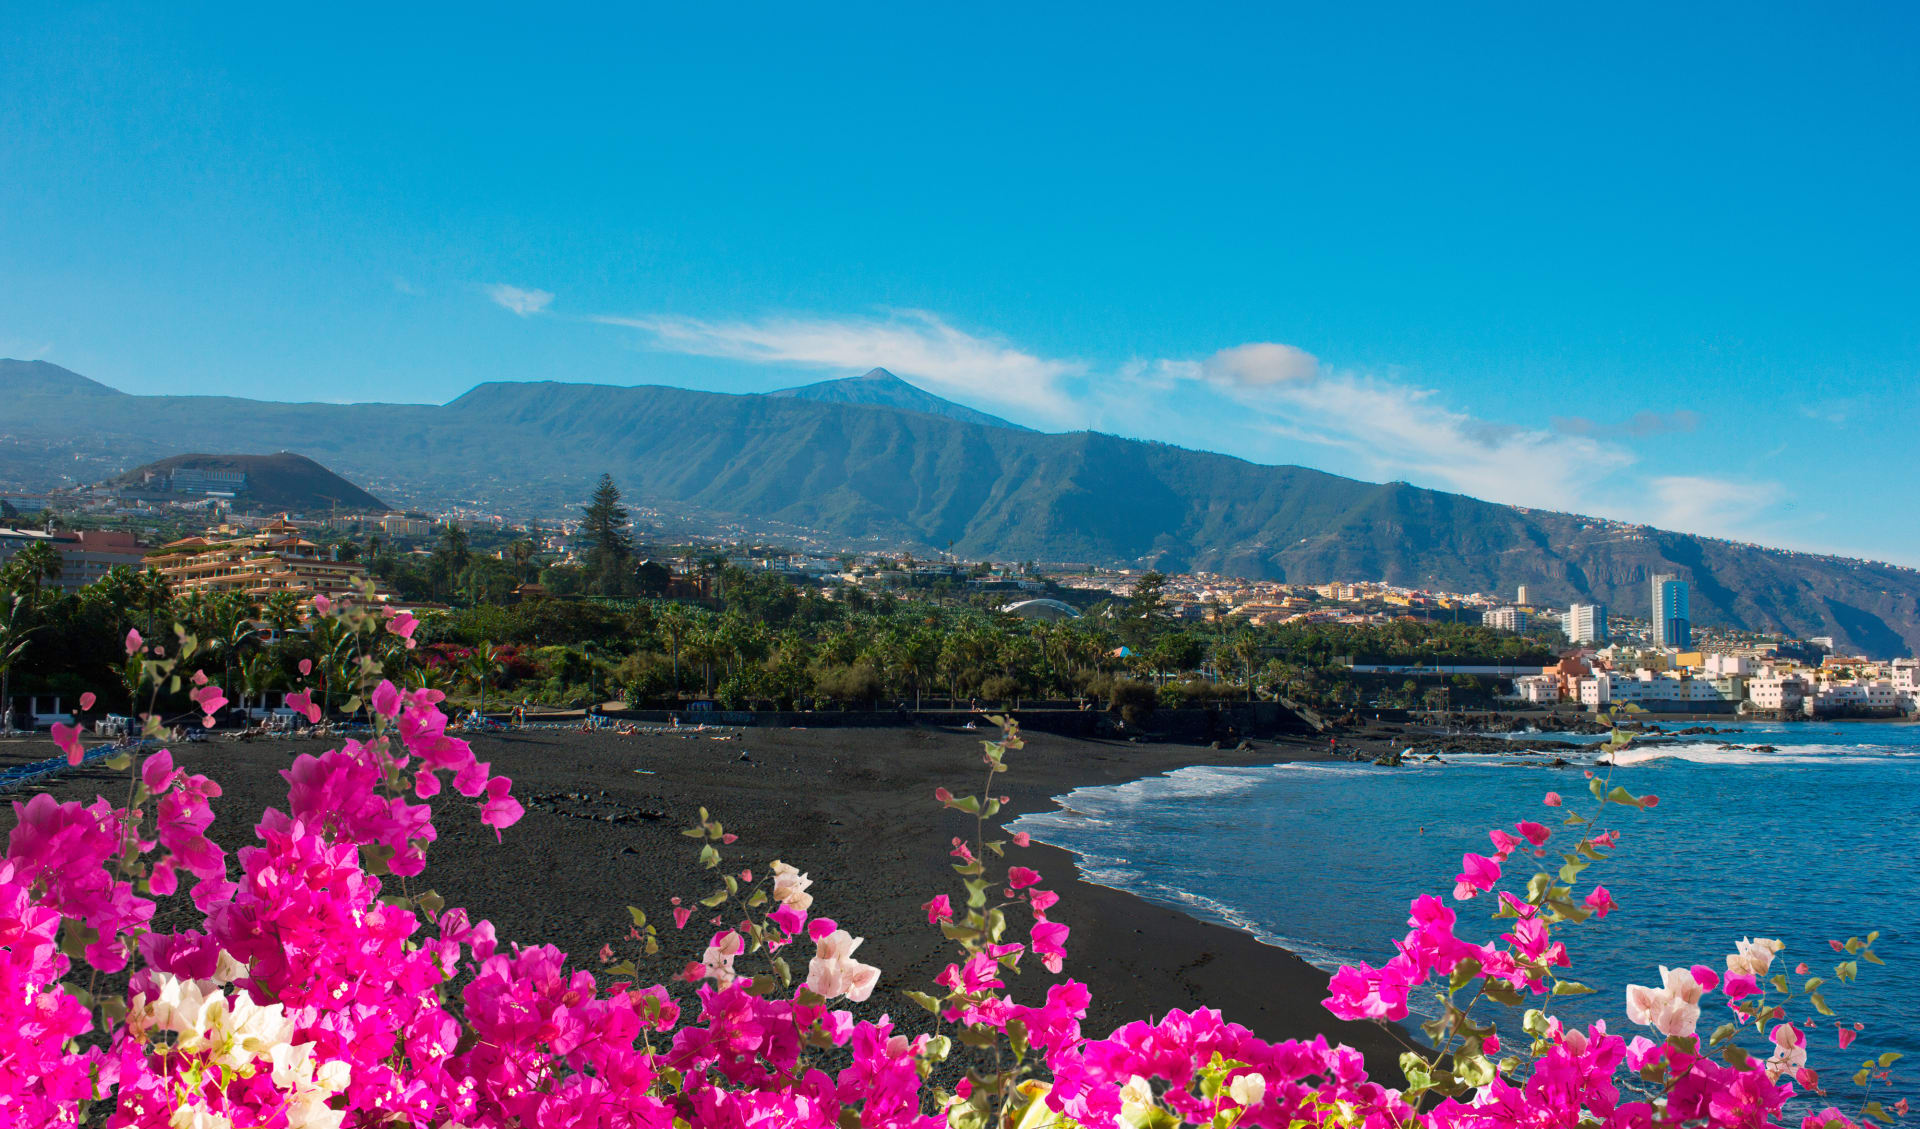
1585, 623
1672, 622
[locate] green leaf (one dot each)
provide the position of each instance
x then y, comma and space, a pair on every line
709, 857
968, 804
1819, 1004
1871, 957
1500, 992
1736, 1056
1854, 944
1890, 1058
924, 1000
1878, 1112
714, 900
1620, 795
1722, 1033
119, 762
1571, 988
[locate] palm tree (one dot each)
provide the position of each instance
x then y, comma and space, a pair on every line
258, 674
480, 667
521, 553
230, 620
673, 620
282, 611
34, 565
16, 628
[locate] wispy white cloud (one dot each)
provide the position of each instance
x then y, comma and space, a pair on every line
1715, 506
912, 344
519, 299
1639, 426
1400, 431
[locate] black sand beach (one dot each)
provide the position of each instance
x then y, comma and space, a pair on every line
853, 808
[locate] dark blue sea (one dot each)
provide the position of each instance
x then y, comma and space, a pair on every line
1819, 840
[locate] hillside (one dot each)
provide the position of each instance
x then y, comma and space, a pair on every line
922, 480
283, 481
878, 388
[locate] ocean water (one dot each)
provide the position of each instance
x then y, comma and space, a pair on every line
1819, 840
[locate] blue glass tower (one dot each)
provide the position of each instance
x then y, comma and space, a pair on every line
1672, 622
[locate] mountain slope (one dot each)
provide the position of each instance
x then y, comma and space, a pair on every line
283, 481
46, 378
908, 477
878, 388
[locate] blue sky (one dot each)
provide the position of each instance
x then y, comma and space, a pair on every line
1650, 263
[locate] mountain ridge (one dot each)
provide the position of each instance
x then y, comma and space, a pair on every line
913, 479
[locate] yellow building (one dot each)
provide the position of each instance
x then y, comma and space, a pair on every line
274, 559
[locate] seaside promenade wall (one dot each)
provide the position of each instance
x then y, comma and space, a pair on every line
1227, 722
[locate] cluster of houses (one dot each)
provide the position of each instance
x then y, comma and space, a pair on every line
1757, 683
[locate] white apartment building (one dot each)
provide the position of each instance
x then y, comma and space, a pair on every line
1505, 619
1606, 688
1831, 697
1905, 676
1539, 689
1772, 691
1729, 666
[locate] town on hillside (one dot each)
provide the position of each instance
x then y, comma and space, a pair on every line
190, 545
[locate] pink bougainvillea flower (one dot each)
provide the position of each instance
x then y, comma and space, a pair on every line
1601, 902
403, 624
943, 795
1503, 843
68, 738
820, 927
1049, 943
321, 604
1022, 839
133, 641
1649, 801
939, 909
1706, 977
1478, 873
86, 701
1552, 799
386, 699
306, 667
681, 914
1536, 833
1740, 985
789, 919
1847, 1036
1020, 877
302, 702
1800, 969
